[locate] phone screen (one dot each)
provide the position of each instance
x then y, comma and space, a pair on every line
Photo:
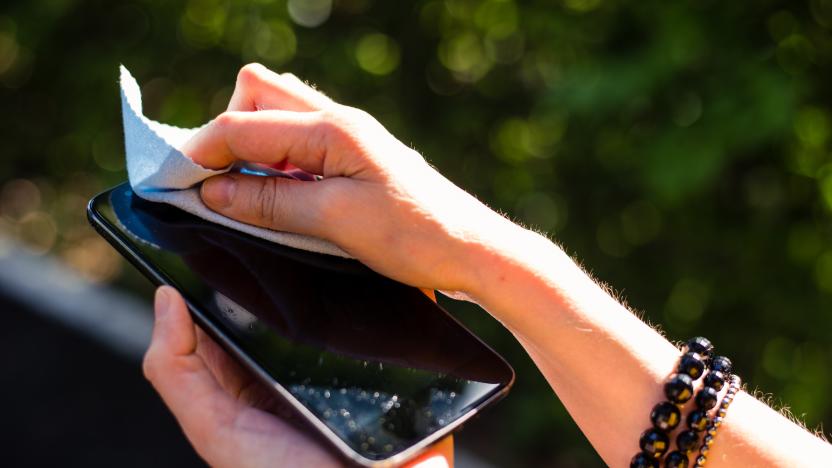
376, 361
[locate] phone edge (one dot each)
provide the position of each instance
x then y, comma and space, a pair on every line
101, 226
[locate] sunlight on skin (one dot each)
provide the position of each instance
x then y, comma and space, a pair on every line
572, 327
606, 366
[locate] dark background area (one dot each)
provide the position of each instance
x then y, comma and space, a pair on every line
679, 150
72, 402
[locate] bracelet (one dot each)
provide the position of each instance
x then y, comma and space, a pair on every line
697, 420
665, 417
713, 425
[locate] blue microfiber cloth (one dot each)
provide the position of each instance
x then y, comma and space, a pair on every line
159, 172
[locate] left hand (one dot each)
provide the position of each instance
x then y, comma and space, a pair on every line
228, 415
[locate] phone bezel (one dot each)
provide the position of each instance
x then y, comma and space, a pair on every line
109, 233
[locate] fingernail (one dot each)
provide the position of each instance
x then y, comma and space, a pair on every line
162, 301
219, 191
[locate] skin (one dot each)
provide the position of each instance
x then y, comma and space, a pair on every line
604, 364
227, 415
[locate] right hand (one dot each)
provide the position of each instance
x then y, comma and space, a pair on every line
379, 200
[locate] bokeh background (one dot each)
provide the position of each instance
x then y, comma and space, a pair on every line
679, 150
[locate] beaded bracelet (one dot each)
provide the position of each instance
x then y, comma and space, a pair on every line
678, 389
697, 420
713, 425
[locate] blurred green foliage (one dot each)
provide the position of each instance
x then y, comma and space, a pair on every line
680, 150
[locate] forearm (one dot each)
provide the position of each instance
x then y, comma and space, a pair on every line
606, 365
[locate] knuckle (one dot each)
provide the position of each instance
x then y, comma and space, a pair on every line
358, 115
330, 115
353, 114
291, 77
334, 125
342, 131
149, 365
250, 73
262, 204
226, 120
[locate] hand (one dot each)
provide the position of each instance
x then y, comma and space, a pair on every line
378, 200
227, 415
382, 203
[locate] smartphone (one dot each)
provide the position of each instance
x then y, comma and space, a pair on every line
375, 367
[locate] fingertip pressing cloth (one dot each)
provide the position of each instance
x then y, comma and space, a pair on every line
158, 171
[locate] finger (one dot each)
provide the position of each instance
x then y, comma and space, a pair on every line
272, 202
231, 376
259, 88
269, 137
183, 381
173, 330
227, 371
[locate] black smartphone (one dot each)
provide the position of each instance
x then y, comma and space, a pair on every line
373, 365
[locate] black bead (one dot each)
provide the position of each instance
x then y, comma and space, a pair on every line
715, 380
654, 442
692, 364
721, 364
642, 460
687, 440
679, 388
665, 416
698, 420
706, 398
700, 345
676, 459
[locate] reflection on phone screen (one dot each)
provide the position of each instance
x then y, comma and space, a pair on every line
375, 360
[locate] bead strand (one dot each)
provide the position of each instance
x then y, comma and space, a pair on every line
688, 439
708, 440
697, 420
665, 417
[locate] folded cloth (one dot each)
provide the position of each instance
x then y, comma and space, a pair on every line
160, 172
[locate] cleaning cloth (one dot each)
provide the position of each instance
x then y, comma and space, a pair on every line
160, 172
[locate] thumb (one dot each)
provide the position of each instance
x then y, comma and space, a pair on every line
173, 329
271, 202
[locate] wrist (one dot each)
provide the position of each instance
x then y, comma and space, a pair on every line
530, 284
508, 255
